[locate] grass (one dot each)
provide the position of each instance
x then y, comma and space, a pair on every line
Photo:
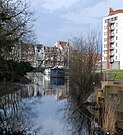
113, 70
115, 74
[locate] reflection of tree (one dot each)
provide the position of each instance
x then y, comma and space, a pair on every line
16, 116
82, 61
78, 117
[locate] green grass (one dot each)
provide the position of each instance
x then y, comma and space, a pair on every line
113, 70
115, 74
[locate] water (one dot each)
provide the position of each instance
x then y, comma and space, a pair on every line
39, 108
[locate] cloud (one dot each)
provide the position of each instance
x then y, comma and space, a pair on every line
92, 13
53, 5
59, 19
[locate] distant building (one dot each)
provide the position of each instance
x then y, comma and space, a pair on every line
48, 56
63, 52
112, 48
34, 54
28, 53
98, 61
39, 55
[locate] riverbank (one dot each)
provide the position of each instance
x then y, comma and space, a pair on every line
8, 87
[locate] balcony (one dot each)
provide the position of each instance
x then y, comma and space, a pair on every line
112, 40
112, 34
112, 22
111, 60
112, 27
111, 54
111, 47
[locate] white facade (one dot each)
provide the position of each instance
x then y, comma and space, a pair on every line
39, 55
112, 47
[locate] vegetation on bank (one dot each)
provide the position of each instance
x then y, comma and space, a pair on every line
16, 30
113, 74
12, 70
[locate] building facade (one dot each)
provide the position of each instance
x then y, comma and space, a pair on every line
112, 46
28, 53
63, 52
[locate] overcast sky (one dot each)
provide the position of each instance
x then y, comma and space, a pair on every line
62, 19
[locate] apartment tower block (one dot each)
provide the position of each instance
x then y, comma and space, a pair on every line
112, 42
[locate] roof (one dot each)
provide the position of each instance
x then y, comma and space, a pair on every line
113, 12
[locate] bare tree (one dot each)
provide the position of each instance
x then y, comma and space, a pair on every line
82, 60
83, 55
15, 24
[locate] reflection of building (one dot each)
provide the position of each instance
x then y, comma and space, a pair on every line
113, 40
111, 91
60, 94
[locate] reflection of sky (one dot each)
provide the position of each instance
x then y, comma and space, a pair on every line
47, 110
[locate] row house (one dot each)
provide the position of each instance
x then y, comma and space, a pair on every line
40, 55
51, 56
28, 54
34, 54
56, 55
63, 52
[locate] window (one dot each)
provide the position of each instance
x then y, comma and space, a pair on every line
116, 57
116, 50
105, 45
105, 52
105, 27
105, 21
116, 38
116, 24
112, 39
116, 31
105, 33
105, 58
105, 39
116, 44
115, 18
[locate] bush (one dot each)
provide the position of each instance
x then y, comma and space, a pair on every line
12, 70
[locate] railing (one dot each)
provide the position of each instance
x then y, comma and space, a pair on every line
112, 27
112, 54
112, 34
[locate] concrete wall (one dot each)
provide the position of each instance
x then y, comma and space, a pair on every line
115, 65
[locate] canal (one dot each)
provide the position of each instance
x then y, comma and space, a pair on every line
42, 107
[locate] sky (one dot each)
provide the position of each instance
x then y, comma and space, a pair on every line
63, 19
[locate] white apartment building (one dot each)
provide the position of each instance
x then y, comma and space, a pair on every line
112, 45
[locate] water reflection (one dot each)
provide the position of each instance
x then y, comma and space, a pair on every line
34, 107
78, 117
43, 107
15, 115
57, 81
